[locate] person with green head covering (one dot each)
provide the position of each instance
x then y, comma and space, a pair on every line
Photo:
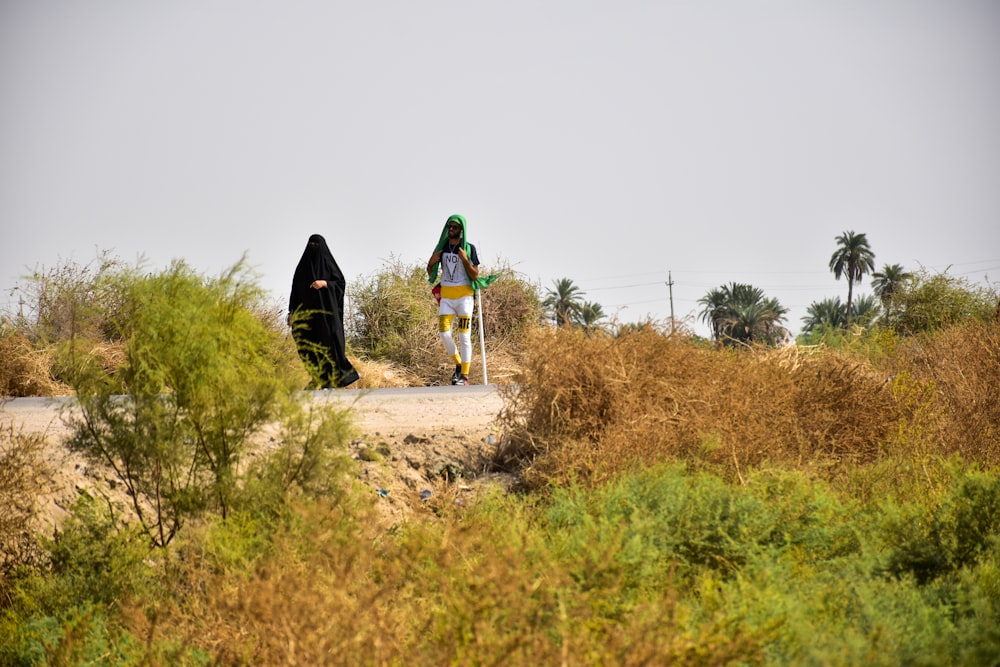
458, 264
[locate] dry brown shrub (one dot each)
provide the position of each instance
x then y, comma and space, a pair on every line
843, 408
110, 355
24, 477
509, 308
24, 370
380, 374
592, 406
961, 365
107, 355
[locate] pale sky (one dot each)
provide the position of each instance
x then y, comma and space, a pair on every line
609, 142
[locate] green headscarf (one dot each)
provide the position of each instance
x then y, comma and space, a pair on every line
477, 284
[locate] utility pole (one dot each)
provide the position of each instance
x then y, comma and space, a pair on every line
670, 286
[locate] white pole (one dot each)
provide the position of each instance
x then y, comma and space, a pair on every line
482, 344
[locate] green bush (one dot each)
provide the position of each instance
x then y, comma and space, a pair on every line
201, 377
76, 636
393, 316
956, 535
92, 560
66, 611
658, 566
310, 460
72, 300
665, 523
932, 302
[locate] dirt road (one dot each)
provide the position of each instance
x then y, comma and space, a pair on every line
422, 429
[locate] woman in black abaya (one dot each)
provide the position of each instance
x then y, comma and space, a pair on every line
316, 314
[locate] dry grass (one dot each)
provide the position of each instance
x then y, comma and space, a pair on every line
24, 477
960, 370
381, 374
26, 371
590, 407
299, 607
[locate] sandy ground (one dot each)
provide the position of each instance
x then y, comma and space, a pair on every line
423, 435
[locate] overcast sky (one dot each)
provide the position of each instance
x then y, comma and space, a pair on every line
609, 142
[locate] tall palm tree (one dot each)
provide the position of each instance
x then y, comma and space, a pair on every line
853, 259
889, 283
564, 302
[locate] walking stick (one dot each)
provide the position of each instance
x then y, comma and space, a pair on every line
482, 343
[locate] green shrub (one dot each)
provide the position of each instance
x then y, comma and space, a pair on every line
202, 375
664, 523
72, 300
393, 316
92, 560
310, 460
932, 302
77, 636
956, 535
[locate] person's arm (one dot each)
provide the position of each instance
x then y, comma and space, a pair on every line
433, 261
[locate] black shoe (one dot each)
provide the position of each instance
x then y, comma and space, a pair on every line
462, 380
457, 375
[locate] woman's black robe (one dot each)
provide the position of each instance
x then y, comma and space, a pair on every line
318, 324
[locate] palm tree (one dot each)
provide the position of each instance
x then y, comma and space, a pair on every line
564, 302
854, 259
889, 283
828, 313
866, 310
590, 314
714, 310
740, 313
774, 313
754, 322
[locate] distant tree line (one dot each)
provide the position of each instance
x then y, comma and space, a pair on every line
740, 314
